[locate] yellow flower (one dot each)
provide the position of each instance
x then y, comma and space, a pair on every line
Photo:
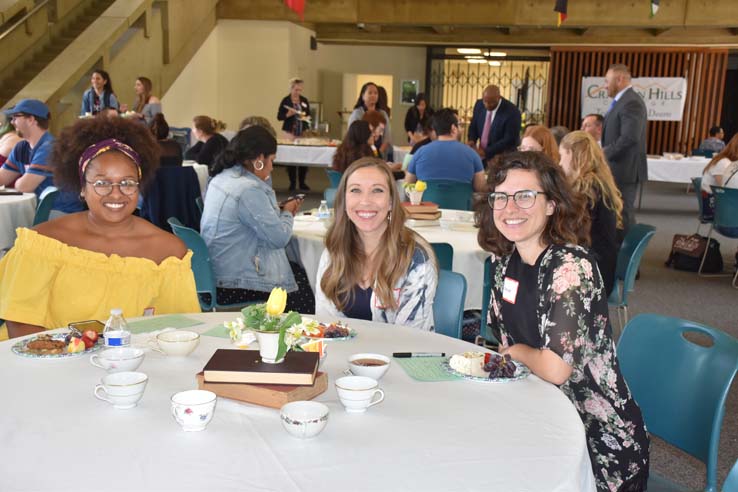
420, 186
277, 301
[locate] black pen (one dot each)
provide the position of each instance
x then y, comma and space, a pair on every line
407, 355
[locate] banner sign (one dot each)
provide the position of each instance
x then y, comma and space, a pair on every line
664, 96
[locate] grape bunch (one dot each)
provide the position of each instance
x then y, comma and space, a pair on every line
500, 366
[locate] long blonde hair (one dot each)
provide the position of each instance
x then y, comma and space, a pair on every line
395, 251
591, 175
729, 152
143, 99
545, 138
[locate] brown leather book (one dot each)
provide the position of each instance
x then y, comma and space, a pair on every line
246, 366
423, 208
268, 395
425, 216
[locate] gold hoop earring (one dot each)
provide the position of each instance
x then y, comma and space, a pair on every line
257, 163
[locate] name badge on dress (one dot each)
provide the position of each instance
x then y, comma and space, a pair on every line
510, 290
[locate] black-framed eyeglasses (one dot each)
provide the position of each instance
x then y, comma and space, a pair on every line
523, 199
103, 188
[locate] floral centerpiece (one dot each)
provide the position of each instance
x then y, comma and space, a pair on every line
414, 191
276, 331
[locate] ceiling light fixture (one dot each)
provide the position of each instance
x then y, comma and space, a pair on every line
469, 51
476, 60
495, 63
495, 54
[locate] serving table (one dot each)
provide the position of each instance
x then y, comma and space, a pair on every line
426, 436
676, 170
468, 255
15, 211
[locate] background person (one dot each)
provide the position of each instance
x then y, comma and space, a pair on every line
258, 121
355, 144
589, 175
714, 172
549, 310
170, 152
714, 143
79, 266
592, 124
147, 105
367, 101
374, 267
540, 139
495, 125
293, 111
246, 231
209, 144
8, 138
417, 118
100, 95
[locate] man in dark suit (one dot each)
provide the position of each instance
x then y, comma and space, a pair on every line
495, 123
624, 138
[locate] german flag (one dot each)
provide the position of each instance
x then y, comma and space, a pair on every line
561, 9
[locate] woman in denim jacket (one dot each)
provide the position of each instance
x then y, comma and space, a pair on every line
374, 267
247, 231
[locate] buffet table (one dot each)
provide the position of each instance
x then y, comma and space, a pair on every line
676, 170
425, 436
468, 256
15, 211
317, 156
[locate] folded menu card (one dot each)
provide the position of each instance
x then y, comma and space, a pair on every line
246, 366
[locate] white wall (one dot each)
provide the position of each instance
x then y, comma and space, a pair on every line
243, 69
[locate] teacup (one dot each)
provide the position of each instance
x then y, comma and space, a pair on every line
193, 409
178, 343
122, 389
357, 393
304, 419
118, 359
370, 365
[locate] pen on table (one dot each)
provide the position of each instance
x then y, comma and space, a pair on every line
407, 355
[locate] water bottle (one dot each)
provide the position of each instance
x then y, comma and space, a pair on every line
116, 332
323, 212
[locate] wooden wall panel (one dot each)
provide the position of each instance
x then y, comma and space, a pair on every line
704, 69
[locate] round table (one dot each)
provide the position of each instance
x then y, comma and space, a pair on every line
468, 255
451, 435
15, 211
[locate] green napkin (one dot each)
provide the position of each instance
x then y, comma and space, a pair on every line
219, 331
426, 368
155, 323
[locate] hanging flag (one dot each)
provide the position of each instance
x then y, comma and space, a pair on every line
298, 6
561, 9
654, 7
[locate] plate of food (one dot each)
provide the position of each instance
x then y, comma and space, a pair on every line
485, 367
59, 345
327, 331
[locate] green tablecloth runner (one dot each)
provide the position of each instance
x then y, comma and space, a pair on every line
160, 322
425, 369
219, 331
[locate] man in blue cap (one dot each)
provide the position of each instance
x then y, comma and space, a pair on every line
28, 163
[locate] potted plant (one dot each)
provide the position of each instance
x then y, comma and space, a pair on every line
414, 191
276, 331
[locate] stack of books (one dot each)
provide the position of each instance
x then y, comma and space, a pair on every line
423, 211
241, 375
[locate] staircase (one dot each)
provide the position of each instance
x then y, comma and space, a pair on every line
21, 77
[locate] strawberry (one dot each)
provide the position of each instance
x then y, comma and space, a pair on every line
487, 357
91, 335
88, 343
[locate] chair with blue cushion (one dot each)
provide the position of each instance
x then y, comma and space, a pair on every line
200, 204
725, 221
444, 254
448, 305
702, 153
487, 337
329, 195
449, 194
334, 177
45, 203
731, 483
702, 218
680, 386
628, 262
201, 267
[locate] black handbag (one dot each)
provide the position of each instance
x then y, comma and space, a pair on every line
687, 251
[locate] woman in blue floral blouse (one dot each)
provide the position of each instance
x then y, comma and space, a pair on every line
549, 309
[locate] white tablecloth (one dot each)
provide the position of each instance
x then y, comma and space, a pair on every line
15, 211
316, 156
468, 256
202, 174
453, 435
676, 171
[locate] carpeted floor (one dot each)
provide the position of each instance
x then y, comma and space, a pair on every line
661, 290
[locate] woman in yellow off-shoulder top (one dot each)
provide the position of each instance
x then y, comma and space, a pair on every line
79, 266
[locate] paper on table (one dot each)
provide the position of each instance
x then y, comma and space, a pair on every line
160, 322
426, 369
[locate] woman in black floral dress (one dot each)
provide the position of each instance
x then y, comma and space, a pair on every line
549, 309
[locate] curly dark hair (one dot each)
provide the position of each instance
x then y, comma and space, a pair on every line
354, 146
570, 222
74, 139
